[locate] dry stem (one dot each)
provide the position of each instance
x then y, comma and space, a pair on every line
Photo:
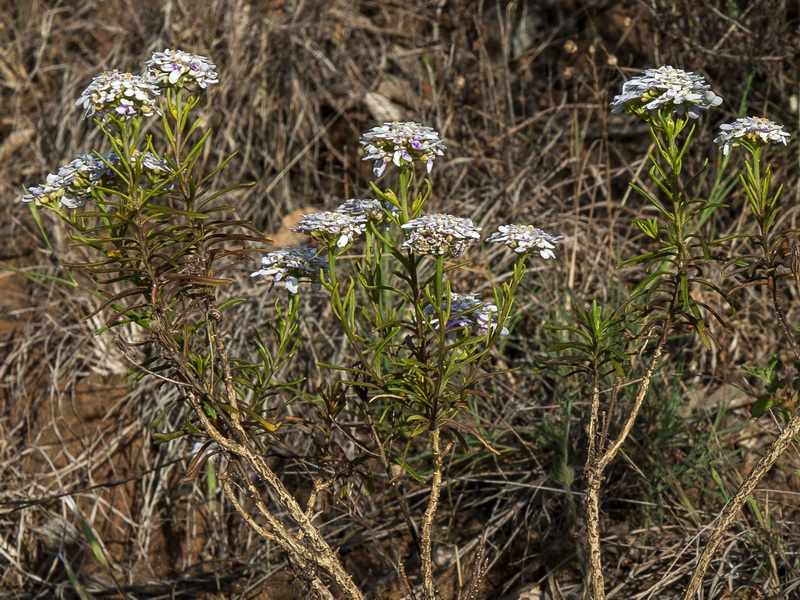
734, 505
320, 554
310, 546
761, 468
429, 589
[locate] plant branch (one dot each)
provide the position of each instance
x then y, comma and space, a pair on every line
429, 588
319, 587
781, 317
401, 500
734, 505
761, 468
597, 462
322, 554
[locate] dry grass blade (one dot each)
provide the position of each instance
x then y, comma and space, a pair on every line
519, 90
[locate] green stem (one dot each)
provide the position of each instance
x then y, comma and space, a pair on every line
340, 309
404, 175
678, 206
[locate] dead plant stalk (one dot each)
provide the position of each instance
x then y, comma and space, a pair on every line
736, 503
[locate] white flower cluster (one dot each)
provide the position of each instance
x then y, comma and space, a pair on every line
401, 143
181, 69
72, 185
373, 210
467, 311
124, 94
666, 88
127, 96
440, 234
59, 187
525, 238
753, 131
332, 225
292, 264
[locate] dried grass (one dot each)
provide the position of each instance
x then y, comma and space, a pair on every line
519, 90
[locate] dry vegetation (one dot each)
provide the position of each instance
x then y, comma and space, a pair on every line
519, 91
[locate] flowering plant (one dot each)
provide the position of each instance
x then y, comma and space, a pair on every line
160, 241
411, 376
623, 344
751, 132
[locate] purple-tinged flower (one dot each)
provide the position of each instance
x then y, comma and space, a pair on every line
466, 311
374, 211
96, 167
181, 69
526, 238
72, 185
148, 161
122, 94
440, 234
292, 264
332, 226
751, 132
401, 143
52, 190
151, 162
671, 90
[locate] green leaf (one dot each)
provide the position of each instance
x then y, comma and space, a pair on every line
163, 413
209, 410
407, 468
649, 227
765, 375
73, 578
160, 438
762, 405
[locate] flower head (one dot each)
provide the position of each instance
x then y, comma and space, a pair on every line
526, 238
96, 167
147, 160
467, 311
373, 210
151, 162
291, 264
672, 90
181, 69
72, 185
401, 143
329, 226
440, 234
122, 94
752, 132
52, 190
